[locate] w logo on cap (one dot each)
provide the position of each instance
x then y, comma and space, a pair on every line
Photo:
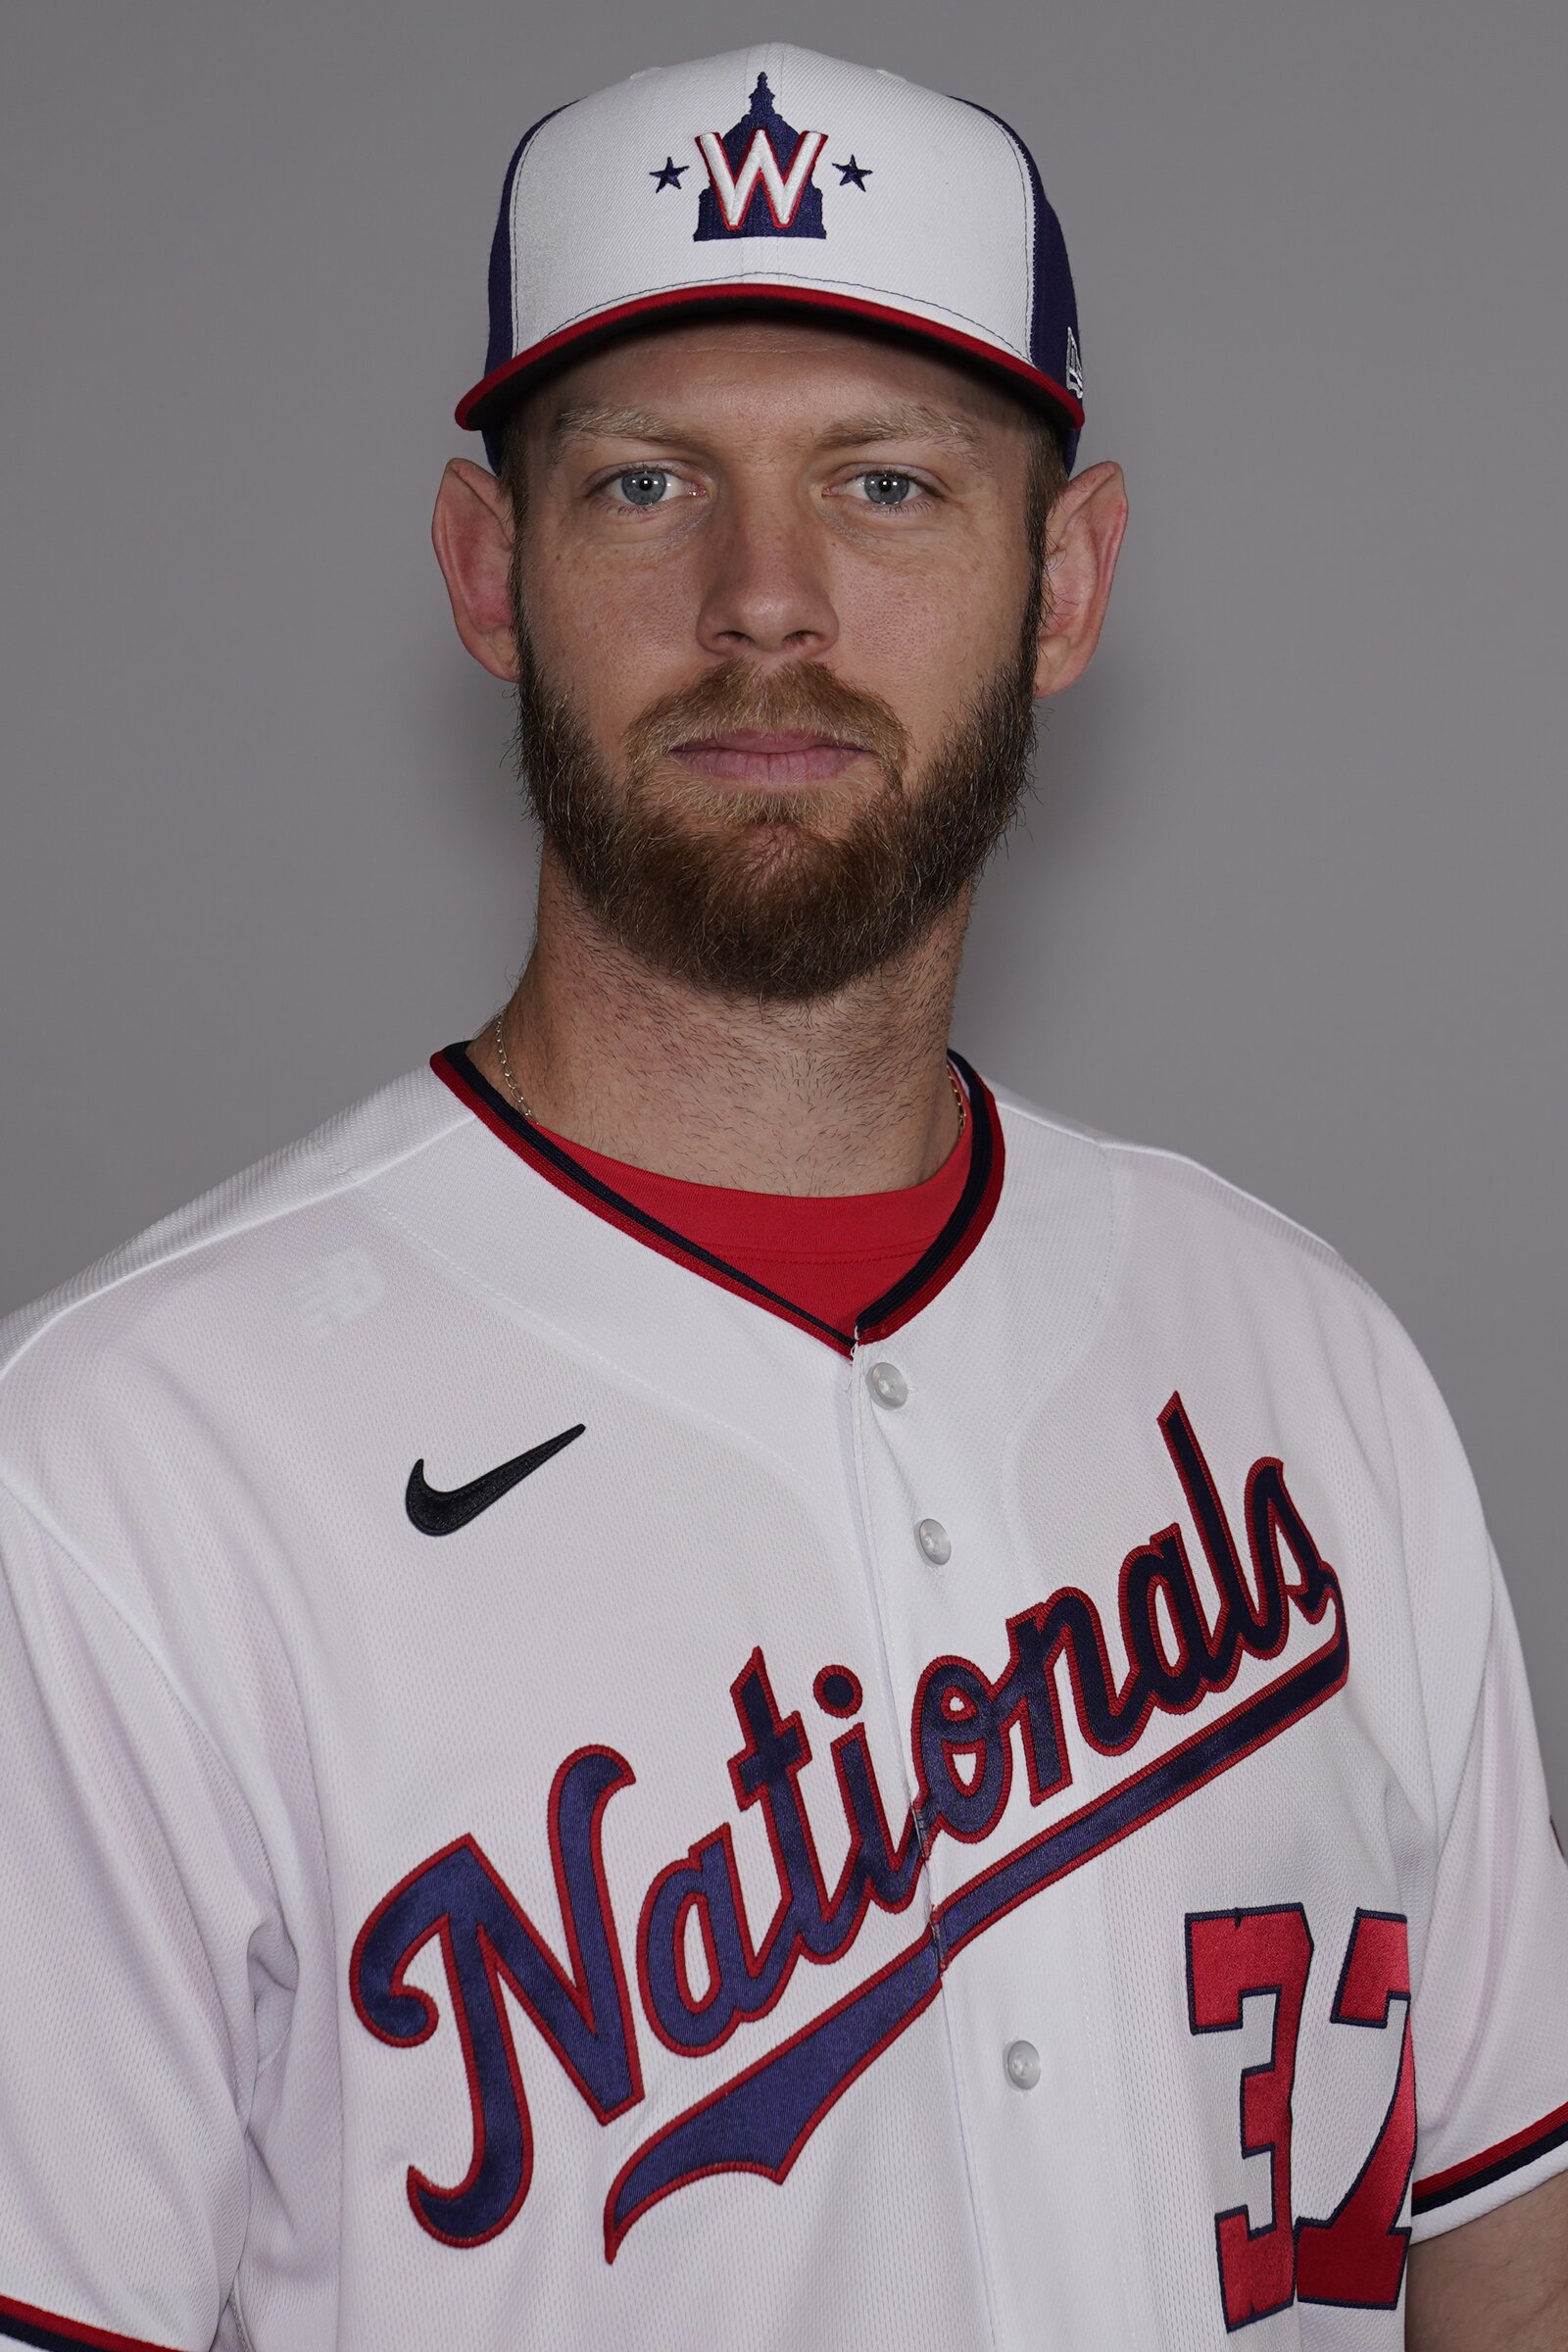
750, 193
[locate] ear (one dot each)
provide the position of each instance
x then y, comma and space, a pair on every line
471, 530
1083, 539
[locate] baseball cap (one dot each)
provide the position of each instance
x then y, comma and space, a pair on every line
774, 175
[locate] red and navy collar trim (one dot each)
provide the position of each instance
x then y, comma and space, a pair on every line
930, 1273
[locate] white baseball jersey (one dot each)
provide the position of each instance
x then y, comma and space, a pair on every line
551, 1801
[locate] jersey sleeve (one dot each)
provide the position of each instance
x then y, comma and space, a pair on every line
133, 1892
1489, 2016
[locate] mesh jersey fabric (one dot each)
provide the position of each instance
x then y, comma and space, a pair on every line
609, 1919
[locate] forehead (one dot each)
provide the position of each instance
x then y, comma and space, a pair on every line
798, 378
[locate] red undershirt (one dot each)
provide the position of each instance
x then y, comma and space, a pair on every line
832, 1256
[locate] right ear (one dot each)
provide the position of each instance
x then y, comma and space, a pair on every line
472, 531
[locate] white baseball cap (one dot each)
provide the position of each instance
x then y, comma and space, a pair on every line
769, 175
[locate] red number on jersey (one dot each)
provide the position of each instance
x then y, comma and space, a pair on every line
1358, 2255
1231, 1955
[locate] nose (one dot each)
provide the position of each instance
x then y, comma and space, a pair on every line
767, 590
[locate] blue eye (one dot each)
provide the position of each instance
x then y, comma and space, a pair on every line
643, 485
885, 489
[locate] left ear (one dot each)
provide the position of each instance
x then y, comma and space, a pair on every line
471, 528
1083, 540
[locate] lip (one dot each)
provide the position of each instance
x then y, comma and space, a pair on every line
774, 760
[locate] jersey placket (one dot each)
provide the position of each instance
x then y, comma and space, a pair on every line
1029, 2108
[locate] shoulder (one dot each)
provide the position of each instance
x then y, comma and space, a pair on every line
1229, 1297
1174, 1218
1155, 1182
283, 1231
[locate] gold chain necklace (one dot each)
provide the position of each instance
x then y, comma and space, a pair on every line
512, 1088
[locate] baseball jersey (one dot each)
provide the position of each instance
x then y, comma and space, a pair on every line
827, 1252
553, 1799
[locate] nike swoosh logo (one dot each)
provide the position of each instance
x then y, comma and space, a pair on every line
442, 1510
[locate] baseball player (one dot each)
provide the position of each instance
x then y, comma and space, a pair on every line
696, 1682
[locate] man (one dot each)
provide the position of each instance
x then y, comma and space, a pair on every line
688, 1683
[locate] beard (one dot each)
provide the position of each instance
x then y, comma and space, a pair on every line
758, 894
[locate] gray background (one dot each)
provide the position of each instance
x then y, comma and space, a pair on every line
1289, 899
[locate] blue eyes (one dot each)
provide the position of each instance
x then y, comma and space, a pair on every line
648, 487
643, 485
883, 489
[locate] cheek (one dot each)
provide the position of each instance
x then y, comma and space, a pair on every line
613, 636
926, 641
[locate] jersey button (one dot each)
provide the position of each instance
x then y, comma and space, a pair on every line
935, 1542
888, 1385
1021, 2061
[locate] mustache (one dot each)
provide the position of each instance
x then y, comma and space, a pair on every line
804, 697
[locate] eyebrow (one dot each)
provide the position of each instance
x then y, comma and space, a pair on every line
594, 420
910, 421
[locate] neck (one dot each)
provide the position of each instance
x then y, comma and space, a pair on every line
847, 1094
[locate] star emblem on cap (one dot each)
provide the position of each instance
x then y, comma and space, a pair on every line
852, 174
668, 174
